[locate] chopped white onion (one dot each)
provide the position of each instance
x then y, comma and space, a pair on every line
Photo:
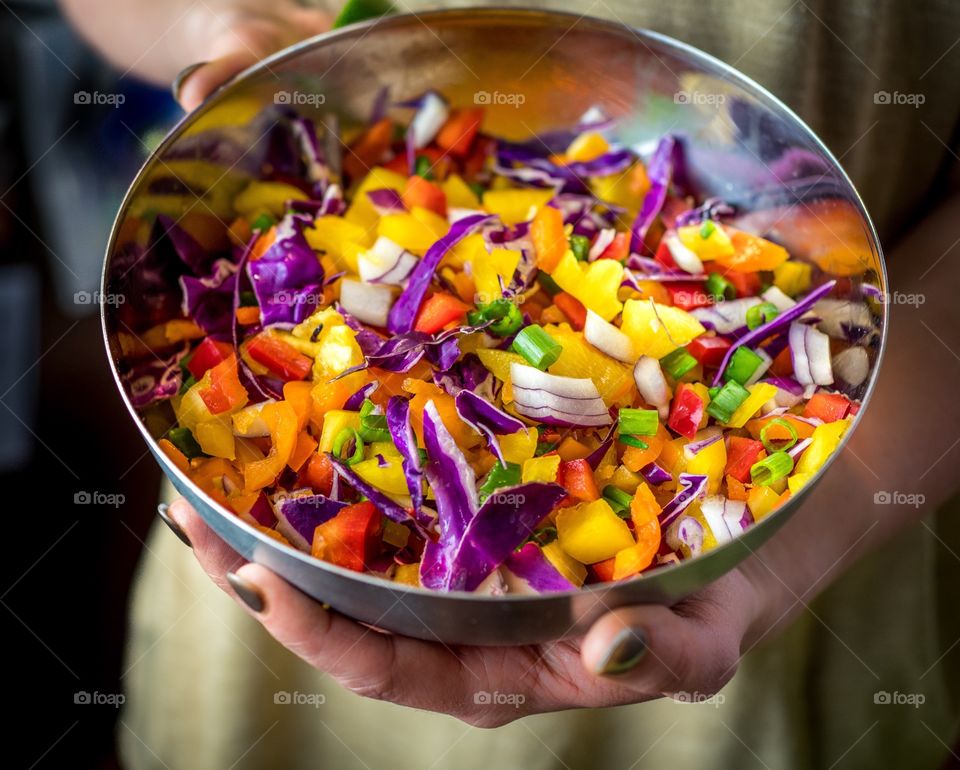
778, 299
810, 351
736, 516
727, 315
685, 258
852, 366
385, 262
648, 376
713, 508
367, 302
686, 536
431, 116
607, 338
604, 238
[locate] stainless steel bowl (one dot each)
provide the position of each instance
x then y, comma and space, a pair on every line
742, 144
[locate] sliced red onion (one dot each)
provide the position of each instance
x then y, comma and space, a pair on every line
607, 338
604, 238
456, 214
429, 119
726, 316
386, 200
736, 516
660, 172
852, 366
385, 262
711, 208
369, 303
869, 290
692, 486
713, 508
559, 400
596, 456
778, 299
762, 332
685, 258
789, 391
797, 449
686, 536
648, 376
810, 351
708, 436
654, 474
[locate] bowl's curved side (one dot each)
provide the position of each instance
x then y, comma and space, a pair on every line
739, 141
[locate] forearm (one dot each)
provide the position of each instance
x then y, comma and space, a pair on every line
907, 444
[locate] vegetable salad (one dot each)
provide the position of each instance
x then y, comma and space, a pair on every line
466, 363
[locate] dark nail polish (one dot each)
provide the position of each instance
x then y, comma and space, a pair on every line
247, 591
164, 514
181, 78
625, 652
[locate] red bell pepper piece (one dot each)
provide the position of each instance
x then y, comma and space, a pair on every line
828, 407
284, 360
745, 284
618, 249
425, 194
687, 295
709, 351
317, 474
225, 391
572, 308
457, 134
207, 355
742, 453
663, 255
437, 311
350, 538
686, 412
368, 148
604, 569
576, 476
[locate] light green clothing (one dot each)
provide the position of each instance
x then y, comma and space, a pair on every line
202, 675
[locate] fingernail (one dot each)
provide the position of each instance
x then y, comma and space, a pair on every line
177, 85
163, 511
247, 591
624, 653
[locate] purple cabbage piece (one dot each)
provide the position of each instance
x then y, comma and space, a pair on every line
355, 401
529, 564
783, 319
155, 379
191, 253
660, 171
404, 310
692, 487
386, 200
401, 431
711, 208
596, 456
469, 373
486, 419
298, 516
305, 134
209, 300
287, 279
258, 388
654, 474
368, 340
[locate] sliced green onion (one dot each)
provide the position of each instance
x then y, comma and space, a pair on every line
707, 228
536, 346
248, 299
510, 323
618, 499
506, 317
263, 222
580, 246
678, 363
743, 363
719, 287
712, 392
768, 443
373, 426
760, 314
342, 441
545, 447
771, 469
727, 399
183, 440
544, 535
633, 441
422, 166
188, 382
548, 284
639, 422
499, 476
422, 456
477, 189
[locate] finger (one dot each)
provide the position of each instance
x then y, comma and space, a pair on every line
691, 648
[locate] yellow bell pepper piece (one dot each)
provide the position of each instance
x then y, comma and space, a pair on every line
190, 408
710, 462
657, 329
270, 196
672, 457
362, 211
488, 272
469, 251
578, 358
760, 393
335, 421
565, 564
518, 447
216, 437
761, 500
717, 244
388, 478
625, 479
498, 363
416, 231
407, 574
336, 351
823, 443
540, 469
792, 278
586, 147
595, 284
459, 195
591, 532
513, 205
797, 481
281, 419
386, 448
341, 240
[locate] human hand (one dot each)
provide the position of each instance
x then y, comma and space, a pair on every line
630, 655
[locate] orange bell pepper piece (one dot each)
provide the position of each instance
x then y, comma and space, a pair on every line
298, 395
457, 134
248, 315
281, 420
644, 510
225, 391
576, 476
572, 308
549, 238
263, 243
439, 310
177, 457
424, 193
635, 458
302, 450
779, 432
752, 253
367, 150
